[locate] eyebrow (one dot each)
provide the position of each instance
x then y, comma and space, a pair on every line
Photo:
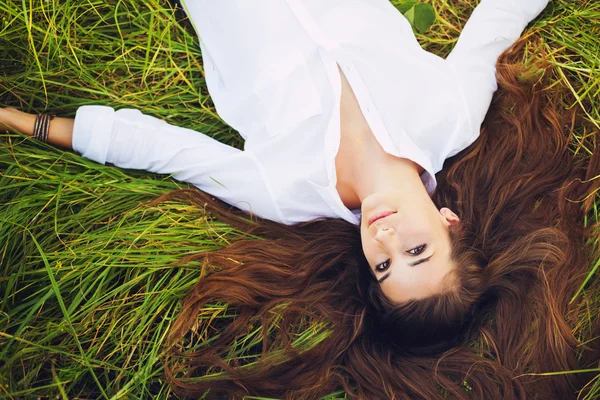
422, 260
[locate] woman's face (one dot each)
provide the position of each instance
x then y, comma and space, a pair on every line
407, 246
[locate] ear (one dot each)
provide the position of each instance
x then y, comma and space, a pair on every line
448, 216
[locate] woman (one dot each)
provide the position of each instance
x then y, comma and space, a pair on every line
326, 109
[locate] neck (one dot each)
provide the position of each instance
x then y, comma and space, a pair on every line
372, 170
362, 166
391, 174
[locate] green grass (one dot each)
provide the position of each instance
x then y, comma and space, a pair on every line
87, 290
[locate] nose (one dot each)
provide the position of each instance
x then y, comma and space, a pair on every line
384, 234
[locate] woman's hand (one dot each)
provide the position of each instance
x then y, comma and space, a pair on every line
13, 120
60, 132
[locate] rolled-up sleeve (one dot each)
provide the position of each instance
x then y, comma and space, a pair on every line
129, 139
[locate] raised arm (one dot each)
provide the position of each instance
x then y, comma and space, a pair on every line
129, 139
494, 26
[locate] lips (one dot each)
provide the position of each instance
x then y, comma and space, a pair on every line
379, 216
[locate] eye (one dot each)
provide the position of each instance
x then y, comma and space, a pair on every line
417, 250
383, 266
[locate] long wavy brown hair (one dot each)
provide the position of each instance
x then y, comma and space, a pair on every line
521, 257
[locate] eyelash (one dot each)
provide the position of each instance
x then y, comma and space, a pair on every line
413, 252
385, 265
419, 249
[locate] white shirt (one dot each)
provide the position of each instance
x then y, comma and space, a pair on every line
271, 67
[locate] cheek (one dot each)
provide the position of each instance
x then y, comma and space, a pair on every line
367, 246
413, 225
364, 235
413, 231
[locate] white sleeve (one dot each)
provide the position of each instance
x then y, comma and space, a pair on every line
129, 139
492, 28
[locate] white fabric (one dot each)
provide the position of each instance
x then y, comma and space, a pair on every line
271, 68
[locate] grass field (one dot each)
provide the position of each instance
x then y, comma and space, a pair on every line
87, 290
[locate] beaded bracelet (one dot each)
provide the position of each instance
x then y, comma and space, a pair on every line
42, 127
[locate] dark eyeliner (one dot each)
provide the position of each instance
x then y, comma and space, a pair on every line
379, 265
423, 247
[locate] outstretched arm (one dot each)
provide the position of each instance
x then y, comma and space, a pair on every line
129, 139
126, 138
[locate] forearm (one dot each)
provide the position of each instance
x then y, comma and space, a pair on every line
60, 132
